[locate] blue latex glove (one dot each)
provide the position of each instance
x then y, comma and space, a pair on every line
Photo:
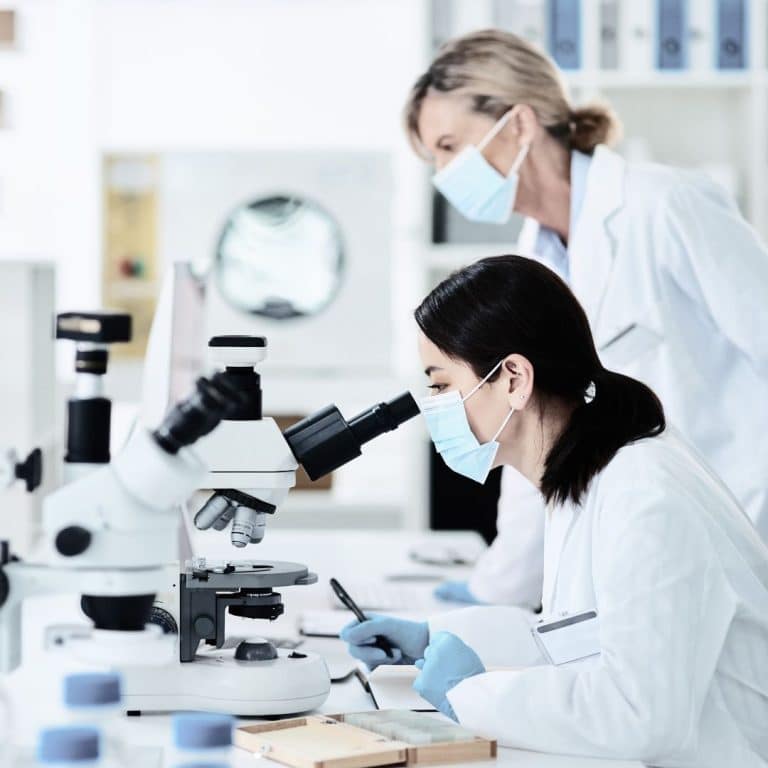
407, 638
455, 592
447, 661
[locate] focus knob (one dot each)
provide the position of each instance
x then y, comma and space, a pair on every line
164, 619
204, 626
73, 541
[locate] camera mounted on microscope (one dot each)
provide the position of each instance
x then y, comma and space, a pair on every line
88, 411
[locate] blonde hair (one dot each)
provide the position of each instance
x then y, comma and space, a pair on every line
496, 70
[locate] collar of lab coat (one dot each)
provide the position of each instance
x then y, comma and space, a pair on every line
594, 241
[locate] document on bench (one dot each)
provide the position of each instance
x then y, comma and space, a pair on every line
391, 686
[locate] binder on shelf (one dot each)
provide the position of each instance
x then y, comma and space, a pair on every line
671, 34
701, 37
636, 38
441, 13
565, 33
525, 18
609, 34
731, 34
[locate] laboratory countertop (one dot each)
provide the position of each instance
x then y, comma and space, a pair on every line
352, 557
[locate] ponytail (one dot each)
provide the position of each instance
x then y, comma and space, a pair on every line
591, 125
622, 410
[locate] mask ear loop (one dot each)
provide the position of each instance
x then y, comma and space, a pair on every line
482, 381
489, 137
519, 159
504, 424
500, 123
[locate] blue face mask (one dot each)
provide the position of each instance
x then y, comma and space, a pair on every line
474, 187
454, 440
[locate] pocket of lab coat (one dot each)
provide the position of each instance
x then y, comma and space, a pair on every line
569, 638
627, 346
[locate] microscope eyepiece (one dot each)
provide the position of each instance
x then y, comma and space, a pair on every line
326, 441
383, 417
211, 401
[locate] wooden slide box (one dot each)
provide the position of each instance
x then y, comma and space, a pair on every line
319, 741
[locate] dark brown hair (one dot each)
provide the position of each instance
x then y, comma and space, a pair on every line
510, 304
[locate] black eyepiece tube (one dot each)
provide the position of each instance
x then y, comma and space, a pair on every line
383, 417
325, 441
211, 401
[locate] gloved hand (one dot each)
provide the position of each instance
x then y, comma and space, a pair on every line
447, 661
407, 638
455, 592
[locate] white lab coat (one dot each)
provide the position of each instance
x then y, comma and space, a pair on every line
679, 579
675, 285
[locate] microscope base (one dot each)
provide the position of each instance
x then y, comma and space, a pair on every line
217, 682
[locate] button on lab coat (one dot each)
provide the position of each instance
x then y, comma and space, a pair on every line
675, 285
679, 579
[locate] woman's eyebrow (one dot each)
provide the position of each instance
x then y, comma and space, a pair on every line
431, 369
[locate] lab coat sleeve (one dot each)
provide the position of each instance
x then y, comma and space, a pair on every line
511, 570
499, 635
664, 609
717, 258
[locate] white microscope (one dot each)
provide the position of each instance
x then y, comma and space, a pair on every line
252, 467
111, 535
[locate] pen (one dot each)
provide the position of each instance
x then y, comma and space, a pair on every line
343, 595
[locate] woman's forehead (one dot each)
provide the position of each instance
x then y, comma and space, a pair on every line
434, 359
440, 114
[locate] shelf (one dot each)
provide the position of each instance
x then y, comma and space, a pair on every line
656, 79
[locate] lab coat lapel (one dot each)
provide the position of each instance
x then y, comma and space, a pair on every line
594, 243
560, 518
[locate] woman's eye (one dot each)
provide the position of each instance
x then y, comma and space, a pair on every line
437, 387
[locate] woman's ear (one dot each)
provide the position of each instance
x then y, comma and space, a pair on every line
519, 373
525, 123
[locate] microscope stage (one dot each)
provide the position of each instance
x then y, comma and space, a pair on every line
246, 574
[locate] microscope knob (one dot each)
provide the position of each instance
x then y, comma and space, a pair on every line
31, 470
164, 619
73, 540
261, 650
204, 626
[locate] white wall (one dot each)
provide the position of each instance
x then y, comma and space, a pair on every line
96, 75
92, 76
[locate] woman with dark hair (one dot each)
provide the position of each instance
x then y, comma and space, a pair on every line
653, 644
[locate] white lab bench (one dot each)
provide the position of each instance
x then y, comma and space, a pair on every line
347, 555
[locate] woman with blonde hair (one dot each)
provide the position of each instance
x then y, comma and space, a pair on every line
673, 280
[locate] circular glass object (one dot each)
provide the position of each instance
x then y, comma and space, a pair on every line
280, 257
